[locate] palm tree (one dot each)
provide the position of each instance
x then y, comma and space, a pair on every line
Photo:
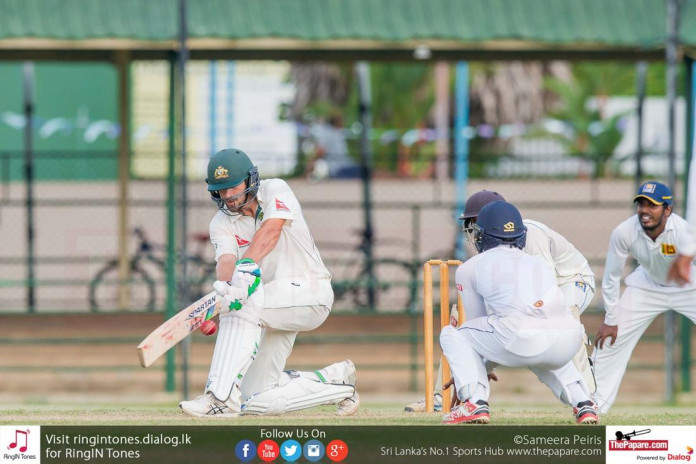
594, 135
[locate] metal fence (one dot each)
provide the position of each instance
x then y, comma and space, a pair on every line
414, 219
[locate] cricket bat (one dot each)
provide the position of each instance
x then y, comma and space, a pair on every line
177, 328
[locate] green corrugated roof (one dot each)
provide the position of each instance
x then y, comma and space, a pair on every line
594, 24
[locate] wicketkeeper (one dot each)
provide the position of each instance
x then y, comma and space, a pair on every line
273, 284
516, 316
573, 275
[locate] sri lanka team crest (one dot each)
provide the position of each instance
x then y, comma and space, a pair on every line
220, 173
668, 249
509, 227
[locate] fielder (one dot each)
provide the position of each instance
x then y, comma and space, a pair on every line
259, 226
573, 275
516, 316
653, 237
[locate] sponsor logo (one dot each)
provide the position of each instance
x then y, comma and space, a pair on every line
241, 242
509, 227
209, 303
280, 206
20, 443
221, 173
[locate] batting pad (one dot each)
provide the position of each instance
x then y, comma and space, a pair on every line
293, 393
235, 349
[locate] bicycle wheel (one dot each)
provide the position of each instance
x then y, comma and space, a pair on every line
395, 287
104, 289
202, 275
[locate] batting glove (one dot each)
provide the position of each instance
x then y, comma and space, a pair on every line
231, 298
247, 275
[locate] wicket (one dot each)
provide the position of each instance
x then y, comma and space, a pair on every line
428, 327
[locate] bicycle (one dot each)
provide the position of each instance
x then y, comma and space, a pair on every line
395, 281
104, 288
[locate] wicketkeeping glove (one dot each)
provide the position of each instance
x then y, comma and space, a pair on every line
247, 275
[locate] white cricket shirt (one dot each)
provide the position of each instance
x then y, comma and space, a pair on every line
567, 262
654, 259
507, 281
294, 256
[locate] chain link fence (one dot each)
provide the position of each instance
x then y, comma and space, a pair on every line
414, 219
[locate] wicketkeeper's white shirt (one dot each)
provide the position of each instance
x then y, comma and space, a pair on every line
568, 263
294, 257
654, 259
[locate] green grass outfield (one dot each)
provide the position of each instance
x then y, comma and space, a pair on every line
369, 414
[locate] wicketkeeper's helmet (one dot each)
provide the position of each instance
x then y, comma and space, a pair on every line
499, 223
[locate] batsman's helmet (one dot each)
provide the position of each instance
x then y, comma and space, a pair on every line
499, 223
229, 168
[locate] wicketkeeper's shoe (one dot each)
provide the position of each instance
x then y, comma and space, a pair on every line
469, 413
207, 405
586, 413
419, 406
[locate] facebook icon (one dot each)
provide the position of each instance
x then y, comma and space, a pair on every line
245, 450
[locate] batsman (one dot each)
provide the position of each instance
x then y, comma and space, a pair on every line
272, 284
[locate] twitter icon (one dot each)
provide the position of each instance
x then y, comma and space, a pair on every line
290, 450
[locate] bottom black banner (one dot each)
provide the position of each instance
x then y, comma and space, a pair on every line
354, 444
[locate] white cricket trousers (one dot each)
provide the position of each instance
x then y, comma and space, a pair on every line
546, 344
637, 309
291, 306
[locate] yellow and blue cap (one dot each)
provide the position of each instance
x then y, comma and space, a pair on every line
656, 192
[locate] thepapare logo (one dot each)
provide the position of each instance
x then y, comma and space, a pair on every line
509, 227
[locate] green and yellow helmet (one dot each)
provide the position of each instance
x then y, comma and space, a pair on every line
229, 168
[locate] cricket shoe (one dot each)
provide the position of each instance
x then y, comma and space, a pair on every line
207, 405
346, 374
348, 406
469, 413
586, 413
419, 406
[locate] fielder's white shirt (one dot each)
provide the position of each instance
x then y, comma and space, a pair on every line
294, 256
567, 262
506, 281
689, 247
654, 259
